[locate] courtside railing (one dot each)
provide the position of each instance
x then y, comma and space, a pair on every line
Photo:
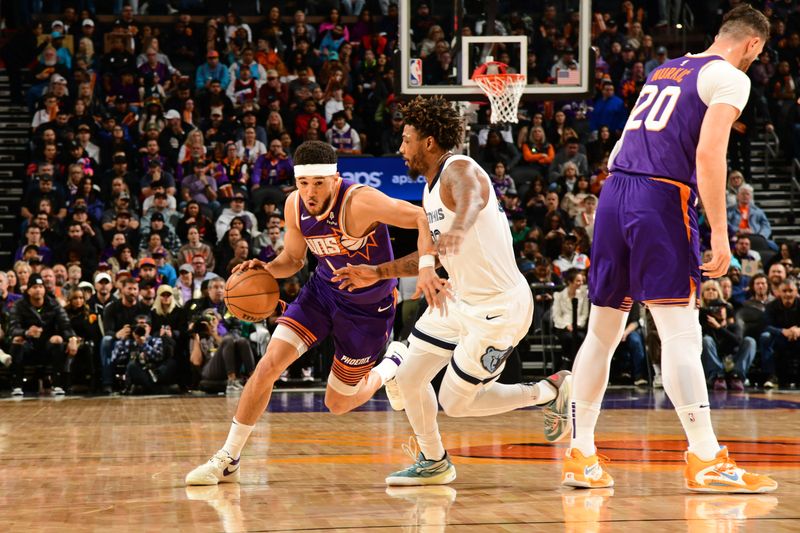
771, 146
794, 190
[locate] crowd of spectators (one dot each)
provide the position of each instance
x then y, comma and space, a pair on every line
161, 159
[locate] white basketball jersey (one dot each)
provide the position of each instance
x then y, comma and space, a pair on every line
485, 265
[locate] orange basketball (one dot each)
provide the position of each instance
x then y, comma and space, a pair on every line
251, 295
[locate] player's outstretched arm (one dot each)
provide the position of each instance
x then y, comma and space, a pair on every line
712, 171
354, 277
293, 256
370, 207
464, 193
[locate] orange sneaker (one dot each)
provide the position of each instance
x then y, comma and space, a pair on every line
722, 475
584, 472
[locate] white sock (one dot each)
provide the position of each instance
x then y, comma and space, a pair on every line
542, 392
386, 369
584, 420
396, 352
237, 437
431, 446
696, 421
657, 369
684, 379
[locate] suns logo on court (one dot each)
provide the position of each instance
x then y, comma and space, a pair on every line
338, 243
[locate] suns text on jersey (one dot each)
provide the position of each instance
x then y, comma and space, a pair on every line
326, 245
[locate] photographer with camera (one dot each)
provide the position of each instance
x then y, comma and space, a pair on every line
39, 329
722, 338
150, 362
219, 357
118, 317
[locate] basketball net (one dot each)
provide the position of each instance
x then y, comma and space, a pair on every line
503, 89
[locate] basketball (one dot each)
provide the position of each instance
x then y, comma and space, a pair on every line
251, 295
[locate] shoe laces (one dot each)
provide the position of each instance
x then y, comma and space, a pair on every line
411, 449
603, 460
726, 466
220, 459
551, 418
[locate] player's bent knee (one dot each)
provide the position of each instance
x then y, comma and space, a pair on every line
339, 395
407, 380
338, 405
453, 407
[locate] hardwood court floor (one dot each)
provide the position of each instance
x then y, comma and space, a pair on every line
117, 464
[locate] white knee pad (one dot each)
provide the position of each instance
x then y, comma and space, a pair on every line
343, 388
681, 349
287, 335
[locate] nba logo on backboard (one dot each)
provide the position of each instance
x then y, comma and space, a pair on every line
415, 72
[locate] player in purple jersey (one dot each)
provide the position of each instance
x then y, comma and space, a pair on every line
342, 223
646, 246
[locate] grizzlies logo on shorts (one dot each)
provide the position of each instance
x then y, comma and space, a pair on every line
493, 358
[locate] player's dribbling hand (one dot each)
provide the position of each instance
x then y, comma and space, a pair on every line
720, 257
355, 276
450, 243
251, 264
435, 289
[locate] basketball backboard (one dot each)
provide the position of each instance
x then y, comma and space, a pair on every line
442, 43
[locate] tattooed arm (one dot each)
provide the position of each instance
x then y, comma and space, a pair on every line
466, 194
404, 267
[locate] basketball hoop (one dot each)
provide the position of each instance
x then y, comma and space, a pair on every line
503, 89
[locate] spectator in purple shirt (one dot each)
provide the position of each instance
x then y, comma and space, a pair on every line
274, 169
200, 187
154, 66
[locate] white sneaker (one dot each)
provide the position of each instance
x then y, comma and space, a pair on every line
658, 382
395, 396
308, 374
284, 376
57, 391
5, 359
221, 468
234, 387
16, 392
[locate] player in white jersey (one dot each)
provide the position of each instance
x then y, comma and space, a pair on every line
491, 305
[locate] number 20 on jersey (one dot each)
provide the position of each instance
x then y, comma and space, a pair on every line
661, 104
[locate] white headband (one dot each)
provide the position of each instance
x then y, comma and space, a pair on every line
313, 171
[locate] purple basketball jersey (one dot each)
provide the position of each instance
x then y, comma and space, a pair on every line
661, 136
328, 240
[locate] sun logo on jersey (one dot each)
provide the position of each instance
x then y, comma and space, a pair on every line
337, 243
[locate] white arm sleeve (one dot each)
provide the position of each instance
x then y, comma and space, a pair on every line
719, 82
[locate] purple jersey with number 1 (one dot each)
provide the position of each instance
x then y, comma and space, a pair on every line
646, 245
359, 321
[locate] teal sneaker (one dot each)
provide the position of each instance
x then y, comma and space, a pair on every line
557, 415
425, 472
